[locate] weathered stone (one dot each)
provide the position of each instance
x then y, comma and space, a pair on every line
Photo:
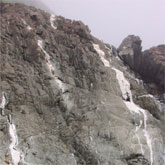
153, 66
74, 114
130, 51
149, 64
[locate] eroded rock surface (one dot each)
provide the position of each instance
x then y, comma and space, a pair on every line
150, 64
65, 99
130, 51
154, 62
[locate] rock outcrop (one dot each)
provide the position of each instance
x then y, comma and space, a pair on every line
153, 66
130, 51
150, 64
67, 99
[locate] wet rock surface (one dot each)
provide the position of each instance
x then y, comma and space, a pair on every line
65, 103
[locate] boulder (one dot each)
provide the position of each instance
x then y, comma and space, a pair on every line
130, 51
153, 66
150, 64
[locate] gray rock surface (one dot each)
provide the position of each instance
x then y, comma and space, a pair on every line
150, 64
35, 3
130, 51
66, 105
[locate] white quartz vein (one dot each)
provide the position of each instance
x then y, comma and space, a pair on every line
15, 154
51, 67
137, 136
28, 26
52, 19
128, 100
102, 55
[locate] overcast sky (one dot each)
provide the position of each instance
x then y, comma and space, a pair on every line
112, 20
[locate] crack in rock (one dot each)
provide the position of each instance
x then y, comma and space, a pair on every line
15, 154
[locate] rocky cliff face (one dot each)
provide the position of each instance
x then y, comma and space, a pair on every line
36, 3
154, 62
150, 64
67, 99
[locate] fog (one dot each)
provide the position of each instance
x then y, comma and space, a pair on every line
112, 20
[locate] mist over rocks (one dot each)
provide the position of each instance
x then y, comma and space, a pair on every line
35, 3
67, 103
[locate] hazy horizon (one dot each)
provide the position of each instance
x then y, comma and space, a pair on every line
113, 20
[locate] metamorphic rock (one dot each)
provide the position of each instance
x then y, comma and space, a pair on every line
67, 98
